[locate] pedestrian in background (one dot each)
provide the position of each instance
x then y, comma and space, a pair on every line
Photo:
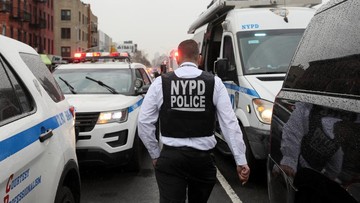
188, 101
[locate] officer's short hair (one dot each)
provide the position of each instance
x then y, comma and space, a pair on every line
188, 49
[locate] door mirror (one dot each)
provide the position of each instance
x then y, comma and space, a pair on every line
140, 88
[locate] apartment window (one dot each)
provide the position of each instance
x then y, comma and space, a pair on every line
30, 39
49, 48
65, 51
44, 45
65, 15
25, 39
65, 33
19, 35
4, 30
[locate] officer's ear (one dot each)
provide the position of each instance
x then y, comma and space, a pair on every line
200, 61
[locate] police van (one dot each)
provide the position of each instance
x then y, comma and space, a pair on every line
249, 45
107, 92
37, 141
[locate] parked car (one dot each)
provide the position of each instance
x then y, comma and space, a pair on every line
315, 129
37, 141
107, 93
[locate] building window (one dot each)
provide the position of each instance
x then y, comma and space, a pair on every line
4, 30
65, 15
44, 45
49, 48
65, 33
65, 51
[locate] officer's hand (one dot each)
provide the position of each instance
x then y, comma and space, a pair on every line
154, 162
243, 173
288, 170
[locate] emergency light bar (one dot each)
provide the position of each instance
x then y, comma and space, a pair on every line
94, 56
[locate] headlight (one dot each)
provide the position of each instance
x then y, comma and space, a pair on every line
263, 110
113, 116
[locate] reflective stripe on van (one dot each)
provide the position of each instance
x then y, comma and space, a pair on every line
244, 90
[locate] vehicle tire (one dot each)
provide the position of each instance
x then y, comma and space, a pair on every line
64, 195
134, 164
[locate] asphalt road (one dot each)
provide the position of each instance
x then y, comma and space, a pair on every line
115, 185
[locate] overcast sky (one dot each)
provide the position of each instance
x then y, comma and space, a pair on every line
155, 26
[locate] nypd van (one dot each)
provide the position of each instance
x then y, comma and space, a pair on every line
38, 161
107, 93
249, 45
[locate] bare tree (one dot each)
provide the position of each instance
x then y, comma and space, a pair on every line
141, 57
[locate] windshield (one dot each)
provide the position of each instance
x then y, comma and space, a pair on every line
118, 80
269, 51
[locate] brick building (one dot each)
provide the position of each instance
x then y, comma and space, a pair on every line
29, 21
76, 28
57, 27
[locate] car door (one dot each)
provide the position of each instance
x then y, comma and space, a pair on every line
19, 146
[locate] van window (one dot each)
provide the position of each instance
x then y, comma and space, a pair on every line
268, 51
328, 58
42, 73
229, 51
13, 97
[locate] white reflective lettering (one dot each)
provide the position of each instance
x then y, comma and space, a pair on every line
184, 83
201, 87
174, 87
192, 86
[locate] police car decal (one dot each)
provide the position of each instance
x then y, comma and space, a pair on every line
13, 182
136, 105
244, 90
250, 26
17, 142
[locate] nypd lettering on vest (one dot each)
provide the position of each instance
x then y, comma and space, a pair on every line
188, 94
188, 109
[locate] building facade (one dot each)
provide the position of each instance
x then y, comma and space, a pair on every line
76, 28
105, 42
29, 21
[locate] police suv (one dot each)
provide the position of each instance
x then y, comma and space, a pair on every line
37, 140
107, 93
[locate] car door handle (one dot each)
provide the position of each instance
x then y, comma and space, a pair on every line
46, 135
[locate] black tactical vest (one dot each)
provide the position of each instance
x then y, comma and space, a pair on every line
188, 109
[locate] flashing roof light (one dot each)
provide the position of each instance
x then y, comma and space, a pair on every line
95, 54
114, 54
79, 55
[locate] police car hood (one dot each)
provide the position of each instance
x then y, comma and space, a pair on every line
266, 86
99, 102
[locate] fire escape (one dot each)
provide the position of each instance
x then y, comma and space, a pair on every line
20, 13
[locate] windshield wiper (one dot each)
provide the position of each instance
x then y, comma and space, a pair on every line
111, 89
71, 88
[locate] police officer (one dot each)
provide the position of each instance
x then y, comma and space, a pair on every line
187, 101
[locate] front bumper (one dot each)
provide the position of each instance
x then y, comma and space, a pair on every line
259, 142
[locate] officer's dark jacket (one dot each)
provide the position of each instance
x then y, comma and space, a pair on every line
188, 109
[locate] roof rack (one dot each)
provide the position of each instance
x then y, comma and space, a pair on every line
220, 7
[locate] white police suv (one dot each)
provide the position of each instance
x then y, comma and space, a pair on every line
37, 138
107, 93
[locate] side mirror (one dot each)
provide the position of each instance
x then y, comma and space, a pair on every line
221, 68
139, 86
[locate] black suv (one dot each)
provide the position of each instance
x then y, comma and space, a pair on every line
315, 130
